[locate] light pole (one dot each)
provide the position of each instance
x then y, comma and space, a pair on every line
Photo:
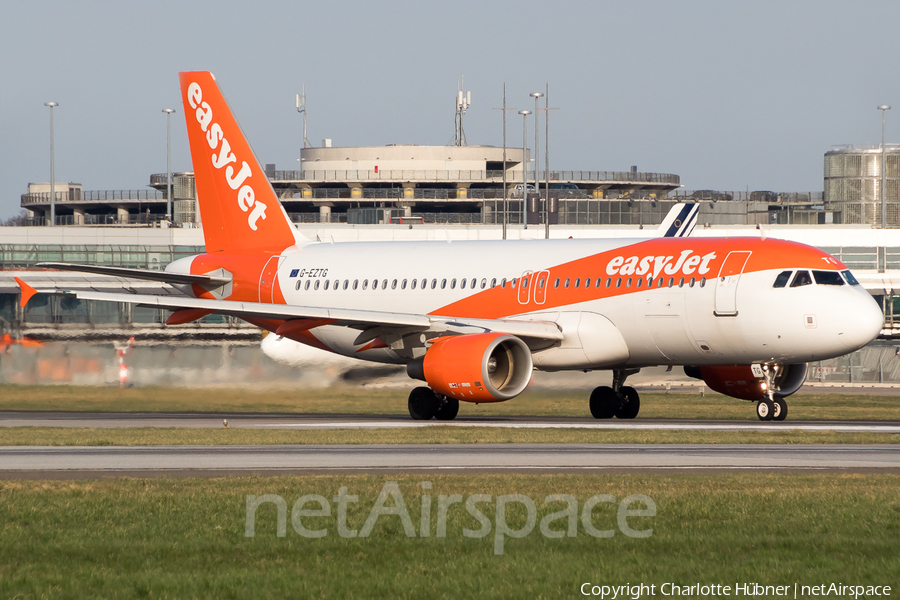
537, 185
52, 169
169, 112
524, 114
883, 108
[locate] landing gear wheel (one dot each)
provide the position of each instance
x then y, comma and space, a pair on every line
780, 412
631, 403
423, 404
765, 409
448, 409
604, 402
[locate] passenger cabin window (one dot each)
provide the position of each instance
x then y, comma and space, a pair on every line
849, 277
801, 278
782, 279
462, 284
828, 278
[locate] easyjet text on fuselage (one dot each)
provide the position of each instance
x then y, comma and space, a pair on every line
687, 263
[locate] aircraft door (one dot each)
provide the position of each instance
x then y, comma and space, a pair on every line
541, 281
727, 283
268, 279
524, 289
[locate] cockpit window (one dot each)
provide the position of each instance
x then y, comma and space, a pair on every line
828, 278
782, 279
849, 277
801, 278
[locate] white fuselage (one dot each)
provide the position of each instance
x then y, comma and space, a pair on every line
702, 319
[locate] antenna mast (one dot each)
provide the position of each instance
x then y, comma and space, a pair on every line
301, 108
462, 103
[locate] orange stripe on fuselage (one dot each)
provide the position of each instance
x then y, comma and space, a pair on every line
661, 257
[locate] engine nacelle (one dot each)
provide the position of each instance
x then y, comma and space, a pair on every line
740, 381
482, 367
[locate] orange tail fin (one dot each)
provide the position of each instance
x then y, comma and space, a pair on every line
239, 209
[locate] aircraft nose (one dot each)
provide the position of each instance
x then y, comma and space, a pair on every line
863, 322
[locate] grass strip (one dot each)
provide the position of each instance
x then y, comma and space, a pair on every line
176, 436
357, 400
158, 538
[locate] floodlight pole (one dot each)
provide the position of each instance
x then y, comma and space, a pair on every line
883, 108
525, 114
168, 112
52, 168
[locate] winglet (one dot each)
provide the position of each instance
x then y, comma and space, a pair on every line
27, 292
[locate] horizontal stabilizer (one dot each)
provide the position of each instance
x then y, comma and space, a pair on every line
163, 276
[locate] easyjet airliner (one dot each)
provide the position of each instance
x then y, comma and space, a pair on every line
474, 319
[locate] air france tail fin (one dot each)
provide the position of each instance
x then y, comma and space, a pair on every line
238, 207
680, 221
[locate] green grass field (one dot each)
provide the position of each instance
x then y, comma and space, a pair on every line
357, 400
185, 538
152, 436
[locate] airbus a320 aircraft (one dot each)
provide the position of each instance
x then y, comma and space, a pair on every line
473, 319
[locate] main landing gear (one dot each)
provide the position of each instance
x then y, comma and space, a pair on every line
617, 401
424, 405
771, 408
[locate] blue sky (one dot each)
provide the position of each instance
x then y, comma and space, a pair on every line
729, 95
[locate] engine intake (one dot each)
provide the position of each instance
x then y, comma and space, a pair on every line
482, 367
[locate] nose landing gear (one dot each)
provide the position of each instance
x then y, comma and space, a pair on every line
617, 401
772, 407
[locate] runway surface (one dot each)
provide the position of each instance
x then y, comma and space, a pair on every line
46, 462
337, 421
